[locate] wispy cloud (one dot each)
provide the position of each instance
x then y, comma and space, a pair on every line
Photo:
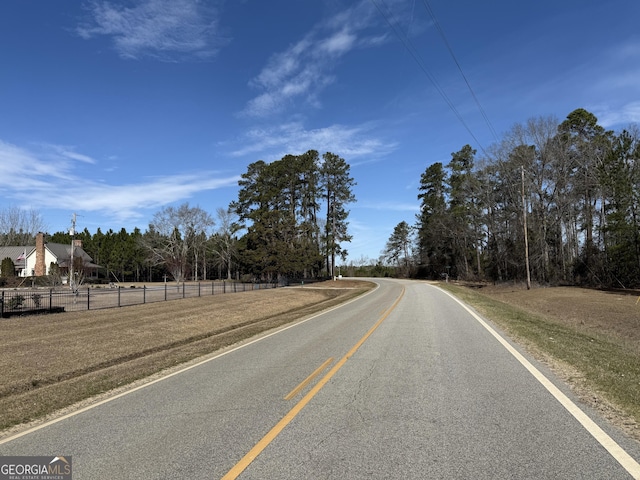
168, 30
52, 180
63, 152
621, 116
616, 85
355, 142
304, 69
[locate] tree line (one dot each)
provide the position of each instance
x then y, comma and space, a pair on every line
550, 203
289, 220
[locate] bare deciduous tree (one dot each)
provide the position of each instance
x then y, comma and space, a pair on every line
224, 241
19, 226
174, 235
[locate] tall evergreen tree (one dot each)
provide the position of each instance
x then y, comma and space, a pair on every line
337, 189
434, 248
620, 179
277, 204
588, 144
399, 247
462, 210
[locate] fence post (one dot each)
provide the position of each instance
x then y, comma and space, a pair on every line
213, 287
182, 289
144, 294
88, 295
2, 305
118, 295
165, 291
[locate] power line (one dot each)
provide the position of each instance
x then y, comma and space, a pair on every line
388, 16
427, 6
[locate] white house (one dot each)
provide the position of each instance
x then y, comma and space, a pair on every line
36, 261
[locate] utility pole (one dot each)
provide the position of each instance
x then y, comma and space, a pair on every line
72, 281
526, 237
333, 239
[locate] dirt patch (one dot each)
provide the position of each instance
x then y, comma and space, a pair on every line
52, 361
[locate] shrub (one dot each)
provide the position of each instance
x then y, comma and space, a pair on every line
37, 300
15, 302
7, 268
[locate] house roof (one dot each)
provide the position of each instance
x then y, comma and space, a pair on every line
63, 252
14, 252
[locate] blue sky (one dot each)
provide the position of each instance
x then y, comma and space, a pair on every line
115, 109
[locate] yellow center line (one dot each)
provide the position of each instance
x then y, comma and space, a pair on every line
307, 380
239, 467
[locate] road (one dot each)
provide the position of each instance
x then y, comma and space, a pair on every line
403, 383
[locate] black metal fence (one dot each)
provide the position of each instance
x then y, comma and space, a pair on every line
34, 301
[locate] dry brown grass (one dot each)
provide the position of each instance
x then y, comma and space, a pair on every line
52, 361
613, 314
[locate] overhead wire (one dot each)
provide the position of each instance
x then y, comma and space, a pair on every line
403, 37
427, 6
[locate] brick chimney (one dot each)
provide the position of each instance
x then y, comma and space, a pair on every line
41, 268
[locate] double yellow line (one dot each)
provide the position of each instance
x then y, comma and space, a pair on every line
308, 380
239, 467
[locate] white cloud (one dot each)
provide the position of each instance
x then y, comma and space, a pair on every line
614, 87
338, 43
47, 178
282, 65
66, 153
19, 166
303, 70
167, 30
127, 201
287, 75
292, 138
621, 116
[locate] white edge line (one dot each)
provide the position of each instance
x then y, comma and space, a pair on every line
222, 354
616, 451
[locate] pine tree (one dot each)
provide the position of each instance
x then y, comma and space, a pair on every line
337, 188
433, 247
399, 247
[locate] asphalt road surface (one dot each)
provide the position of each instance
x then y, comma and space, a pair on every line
403, 383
